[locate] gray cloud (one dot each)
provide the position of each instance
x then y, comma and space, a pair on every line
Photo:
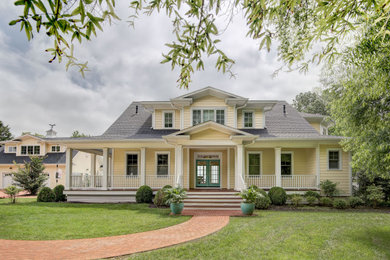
125, 66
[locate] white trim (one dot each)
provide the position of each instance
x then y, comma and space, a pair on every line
340, 168
154, 119
235, 116
228, 166
292, 162
138, 162
182, 118
156, 161
208, 108
253, 118
263, 115
55, 145
112, 166
188, 167
220, 167
173, 119
261, 162
8, 149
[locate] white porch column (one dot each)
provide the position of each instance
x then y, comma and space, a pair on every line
278, 171
105, 168
318, 165
93, 164
68, 167
178, 165
143, 166
239, 167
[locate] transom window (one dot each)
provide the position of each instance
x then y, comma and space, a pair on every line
248, 119
30, 149
162, 164
168, 119
55, 148
286, 163
12, 149
132, 164
254, 164
334, 160
204, 115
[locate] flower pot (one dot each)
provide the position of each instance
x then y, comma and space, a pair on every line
177, 208
247, 208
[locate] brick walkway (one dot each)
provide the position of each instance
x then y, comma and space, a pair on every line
92, 248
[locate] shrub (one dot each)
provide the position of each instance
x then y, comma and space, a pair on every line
262, 202
340, 204
250, 195
59, 193
311, 200
296, 200
311, 193
46, 195
277, 195
159, 199
375, 195
261, 191
167, 187
12, 191
355, 202
144, 194
325, 201
329, 188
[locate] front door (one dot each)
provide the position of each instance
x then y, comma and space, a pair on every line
207, 173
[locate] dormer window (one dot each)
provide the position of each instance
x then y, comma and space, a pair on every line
12, 149
55, 148
168, 119
248, 119
204, 115
30, 149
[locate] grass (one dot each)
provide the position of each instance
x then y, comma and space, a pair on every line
30, 220
291, 235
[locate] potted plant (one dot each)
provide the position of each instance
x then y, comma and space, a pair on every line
249, 196
175, 197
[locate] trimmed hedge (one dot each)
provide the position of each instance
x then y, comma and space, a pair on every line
277, 195
144, 194
262, 202
46, 195
59, 193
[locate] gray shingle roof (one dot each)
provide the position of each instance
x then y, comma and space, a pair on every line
50, 158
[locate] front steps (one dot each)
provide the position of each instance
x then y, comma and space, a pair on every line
212, 200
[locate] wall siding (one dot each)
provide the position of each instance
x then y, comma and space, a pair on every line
159, 120
210, 134
259, 121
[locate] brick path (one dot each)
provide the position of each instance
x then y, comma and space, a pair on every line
92, 248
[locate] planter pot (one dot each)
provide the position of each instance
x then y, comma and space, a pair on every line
177, 208
247, 208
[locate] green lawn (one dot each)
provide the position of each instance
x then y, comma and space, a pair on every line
291, 235
30, 220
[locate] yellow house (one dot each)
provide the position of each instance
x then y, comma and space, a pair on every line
15, 152
209, 140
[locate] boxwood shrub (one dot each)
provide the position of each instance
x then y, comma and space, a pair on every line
46, 195
262, 202
144, 194
277, 195
340, 204
59, 193
355, 202
311, 193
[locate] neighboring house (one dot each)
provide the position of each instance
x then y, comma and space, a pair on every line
208, 139
15, 152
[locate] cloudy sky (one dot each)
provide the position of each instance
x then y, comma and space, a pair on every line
125, 67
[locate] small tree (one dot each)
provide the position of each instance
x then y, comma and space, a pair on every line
5, 133
375, 195
12, 191
329, 188
31, 177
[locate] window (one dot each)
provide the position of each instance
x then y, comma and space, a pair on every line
12, 149
162, 164
204, 115
132, 164
254, 163
168, 119
286, 163
30, 149
55, 148
334, 160
248, 119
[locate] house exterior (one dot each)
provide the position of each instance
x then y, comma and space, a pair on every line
209, 139
15, 152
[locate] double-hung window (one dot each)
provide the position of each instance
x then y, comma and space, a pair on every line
204, 115
132, 164
334, 162
254, 164
12, 149
56, 148
30, 150
168, 119
248, 119
162, 164
286, 164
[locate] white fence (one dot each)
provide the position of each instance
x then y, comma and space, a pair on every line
261, 181
288, 181
159, 181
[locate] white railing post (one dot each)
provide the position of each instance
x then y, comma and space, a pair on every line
278, 171
105, 168
68, 166
143, 167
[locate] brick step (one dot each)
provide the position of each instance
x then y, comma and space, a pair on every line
212, 197
216, 193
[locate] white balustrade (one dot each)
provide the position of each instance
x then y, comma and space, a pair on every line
159, 181
299, 181
261, 181
86, 181
125, 181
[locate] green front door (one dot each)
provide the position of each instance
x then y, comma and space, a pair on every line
207, 173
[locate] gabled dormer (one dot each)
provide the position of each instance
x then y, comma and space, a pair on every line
208, 104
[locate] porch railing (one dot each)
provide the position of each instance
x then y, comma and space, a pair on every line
125, 181
85, 181
299, 181
159, 181
261, 181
